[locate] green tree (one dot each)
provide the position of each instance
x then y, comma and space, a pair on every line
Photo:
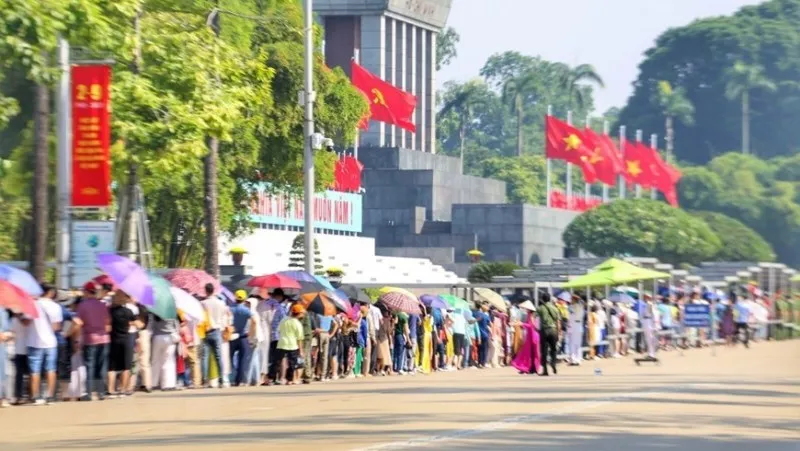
524, 177
643, 227
739, 242
467, 98
574, 80
446, 47
742, 79
483, 272
297, 256
674, 105
697, 56
516, 91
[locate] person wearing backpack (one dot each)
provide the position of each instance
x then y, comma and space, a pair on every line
549, 330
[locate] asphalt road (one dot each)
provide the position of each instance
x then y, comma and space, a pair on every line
736, 400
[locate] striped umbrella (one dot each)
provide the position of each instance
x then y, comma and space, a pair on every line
402, 302
319, 303
192, 280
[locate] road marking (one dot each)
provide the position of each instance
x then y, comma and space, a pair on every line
507, 423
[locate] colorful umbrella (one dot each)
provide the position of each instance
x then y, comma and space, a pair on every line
401, 302
433, 301
21, 278
187, 304
455, 302
355, 294
343, 300
128, 276
315, 287
273, 281
492, 297
319, 303
300, 276
193, 281
12, 297
163, 300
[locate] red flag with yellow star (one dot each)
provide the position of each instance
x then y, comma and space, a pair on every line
387, 103
565, 142
605, 157
641, 167
668, 178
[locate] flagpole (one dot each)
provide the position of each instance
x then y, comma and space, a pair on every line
588, 188
549, 164
622, 131
606, 126
569, 170
357, 59
654, 145
638, 140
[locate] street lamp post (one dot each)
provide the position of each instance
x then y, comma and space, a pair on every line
308, 159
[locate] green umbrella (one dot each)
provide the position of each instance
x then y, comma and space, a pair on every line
163, 302
455, 302
614, 272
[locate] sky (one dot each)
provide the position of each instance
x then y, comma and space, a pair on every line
612, 35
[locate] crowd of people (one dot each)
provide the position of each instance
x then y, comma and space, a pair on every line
102, 344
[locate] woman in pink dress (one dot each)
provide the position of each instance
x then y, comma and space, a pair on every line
528, 359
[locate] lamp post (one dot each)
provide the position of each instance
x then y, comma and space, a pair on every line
307, 98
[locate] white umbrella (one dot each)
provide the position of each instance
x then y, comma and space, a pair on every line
187, 304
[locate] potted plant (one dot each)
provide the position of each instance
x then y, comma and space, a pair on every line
475, 255
334, 274
237, 255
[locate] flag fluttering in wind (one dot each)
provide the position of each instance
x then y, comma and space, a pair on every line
565, 142
387, 103
605, 159
644, 166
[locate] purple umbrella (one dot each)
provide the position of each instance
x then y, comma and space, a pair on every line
432, 301
128, 276
300, 276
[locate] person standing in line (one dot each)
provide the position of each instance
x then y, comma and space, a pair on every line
377, 319
484, 335
323, 359
43, 345
243, 326
290, 342
6, 335
265, 308
577, 312
647, 315
742, 316
459, 337
549, 325
165, 342
142, 372
19, 333
120, 354
93, 312
311, 332
218, 319
258, 342
368, 365
400, 341
280, 307
414, 326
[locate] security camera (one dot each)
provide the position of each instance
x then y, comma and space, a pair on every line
328, 144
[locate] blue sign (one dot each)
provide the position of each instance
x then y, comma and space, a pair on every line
333, 210
697, 315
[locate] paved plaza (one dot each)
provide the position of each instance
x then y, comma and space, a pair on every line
736, 400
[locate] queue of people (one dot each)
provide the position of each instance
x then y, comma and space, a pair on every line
102, 344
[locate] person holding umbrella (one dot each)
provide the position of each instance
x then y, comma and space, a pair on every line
290, 342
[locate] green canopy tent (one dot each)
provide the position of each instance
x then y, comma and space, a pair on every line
614, 272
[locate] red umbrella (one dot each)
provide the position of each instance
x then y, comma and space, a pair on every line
273, 281
14, 298
193, 281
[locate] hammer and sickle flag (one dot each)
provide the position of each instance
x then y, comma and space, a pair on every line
386, 103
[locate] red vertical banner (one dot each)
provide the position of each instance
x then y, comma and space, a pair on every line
91, 136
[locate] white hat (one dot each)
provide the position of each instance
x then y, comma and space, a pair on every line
527, 305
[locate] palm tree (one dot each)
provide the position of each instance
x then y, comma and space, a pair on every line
674, 105
572, 80
467, 98
516, 90
741, 80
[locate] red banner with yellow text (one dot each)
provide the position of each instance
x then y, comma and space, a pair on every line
91, 136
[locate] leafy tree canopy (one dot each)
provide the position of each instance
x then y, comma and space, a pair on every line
739, 242
643, 227
700, 58
484, 271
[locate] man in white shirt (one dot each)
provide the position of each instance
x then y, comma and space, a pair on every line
258, 340
575, 332
265, 308
42, 344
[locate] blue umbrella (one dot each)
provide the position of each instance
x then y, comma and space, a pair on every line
619, 296
21, 279
325, 283
300, 276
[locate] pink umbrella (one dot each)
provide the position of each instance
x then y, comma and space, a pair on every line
192, 280
403, 302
